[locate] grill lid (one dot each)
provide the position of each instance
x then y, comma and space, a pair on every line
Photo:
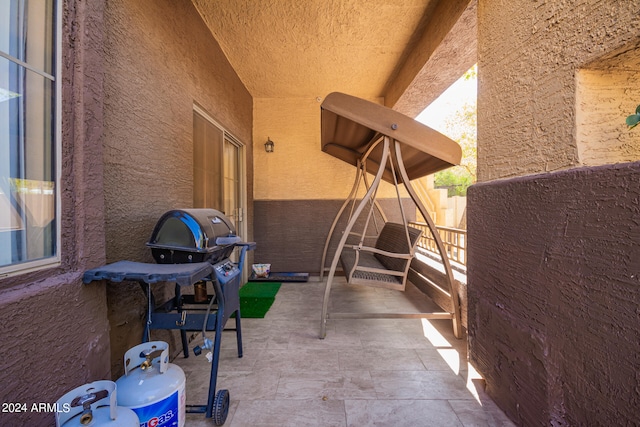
192, 230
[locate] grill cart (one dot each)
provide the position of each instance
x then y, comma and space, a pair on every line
192, 247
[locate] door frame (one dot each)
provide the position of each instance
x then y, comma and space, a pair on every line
242, 227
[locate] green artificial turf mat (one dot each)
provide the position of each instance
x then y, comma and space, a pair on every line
256, 298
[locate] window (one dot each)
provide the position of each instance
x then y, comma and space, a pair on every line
29, 134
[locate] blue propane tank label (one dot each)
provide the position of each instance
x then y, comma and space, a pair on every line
168, 412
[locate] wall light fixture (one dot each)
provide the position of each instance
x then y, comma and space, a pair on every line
268, 146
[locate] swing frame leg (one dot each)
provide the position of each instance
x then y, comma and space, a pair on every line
336, 257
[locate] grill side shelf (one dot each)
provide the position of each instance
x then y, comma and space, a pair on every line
182, 274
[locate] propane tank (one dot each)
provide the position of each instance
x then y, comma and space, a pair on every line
153, 387
94, 405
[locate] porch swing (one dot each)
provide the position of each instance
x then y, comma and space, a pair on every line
397, 149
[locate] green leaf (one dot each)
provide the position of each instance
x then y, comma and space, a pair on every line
638, 109
633, 120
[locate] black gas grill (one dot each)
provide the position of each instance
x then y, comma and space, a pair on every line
193, 246
192, 235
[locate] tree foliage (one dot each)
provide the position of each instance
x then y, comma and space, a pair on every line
462, 128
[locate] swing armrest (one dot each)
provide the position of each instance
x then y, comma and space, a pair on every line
393, 240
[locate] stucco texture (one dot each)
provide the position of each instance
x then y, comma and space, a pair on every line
527, 82
605, 95
553, 270
160, 60
298, 169
288, 49
54, 330
554, 291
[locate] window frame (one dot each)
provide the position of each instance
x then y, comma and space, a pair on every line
54, 260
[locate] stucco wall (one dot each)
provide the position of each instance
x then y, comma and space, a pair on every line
527, 69
160, 60
554, 291
553, 258
54, 330
291, 233
298, 169
298, 188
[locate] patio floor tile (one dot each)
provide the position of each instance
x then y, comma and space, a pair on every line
366, 372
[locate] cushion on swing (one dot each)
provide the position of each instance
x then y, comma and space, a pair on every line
392, 239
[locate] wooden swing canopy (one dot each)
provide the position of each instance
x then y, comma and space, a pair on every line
397, 149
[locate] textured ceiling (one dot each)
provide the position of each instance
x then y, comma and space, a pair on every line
293, 49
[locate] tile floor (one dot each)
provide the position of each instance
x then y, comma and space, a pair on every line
367, 372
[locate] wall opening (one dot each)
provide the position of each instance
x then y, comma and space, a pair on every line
607, 92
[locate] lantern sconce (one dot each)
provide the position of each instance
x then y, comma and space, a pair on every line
268, 146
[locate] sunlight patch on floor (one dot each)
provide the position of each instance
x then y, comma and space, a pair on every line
452, 357
474, 380
433, 335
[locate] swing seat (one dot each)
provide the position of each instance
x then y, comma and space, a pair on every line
386, 264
